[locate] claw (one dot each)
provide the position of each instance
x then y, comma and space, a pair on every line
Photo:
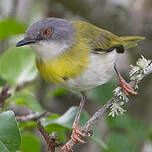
76, 133
127, 89
76, 139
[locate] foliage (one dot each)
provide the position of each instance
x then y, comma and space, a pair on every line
30, 142
10, 139
17, 66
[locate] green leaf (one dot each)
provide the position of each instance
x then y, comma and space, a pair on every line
3, 148
17, 66
9, 27
27, 125
25, 99
66, 120
30, 142
10, 139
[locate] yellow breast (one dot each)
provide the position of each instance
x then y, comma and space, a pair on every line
68, 65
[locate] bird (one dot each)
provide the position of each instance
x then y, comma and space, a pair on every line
78, 56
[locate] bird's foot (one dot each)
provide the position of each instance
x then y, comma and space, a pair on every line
127, 89
77, 134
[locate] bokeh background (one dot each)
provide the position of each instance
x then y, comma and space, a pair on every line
131, 132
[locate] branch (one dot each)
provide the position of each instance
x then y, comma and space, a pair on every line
32, 116
49, 139
3, 96
137, 73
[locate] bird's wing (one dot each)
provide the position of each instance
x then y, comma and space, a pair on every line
98, 39
105, 42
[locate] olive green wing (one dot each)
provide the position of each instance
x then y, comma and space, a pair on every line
97, 38
101, 40
105, 42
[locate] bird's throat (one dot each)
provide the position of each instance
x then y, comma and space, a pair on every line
49, 50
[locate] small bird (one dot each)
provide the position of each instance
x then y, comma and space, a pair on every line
78, 56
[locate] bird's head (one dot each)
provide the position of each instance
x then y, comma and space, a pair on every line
49, 37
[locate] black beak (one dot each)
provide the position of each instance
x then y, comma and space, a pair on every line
25, 41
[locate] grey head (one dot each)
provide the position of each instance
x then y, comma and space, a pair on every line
48, 34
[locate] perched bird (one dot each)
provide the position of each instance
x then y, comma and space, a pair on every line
77, 55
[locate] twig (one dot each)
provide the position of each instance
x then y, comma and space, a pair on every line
6, 94
3, 96
142, 72
32, 116
49, 139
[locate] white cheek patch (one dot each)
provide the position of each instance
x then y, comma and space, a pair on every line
48, 50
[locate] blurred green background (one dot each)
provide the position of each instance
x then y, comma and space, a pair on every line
131, 132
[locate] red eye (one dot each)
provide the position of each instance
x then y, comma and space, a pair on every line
46, 32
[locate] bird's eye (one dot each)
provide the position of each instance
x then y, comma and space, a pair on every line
46, 32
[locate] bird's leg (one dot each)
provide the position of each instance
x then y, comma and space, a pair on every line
127, 89
76, 129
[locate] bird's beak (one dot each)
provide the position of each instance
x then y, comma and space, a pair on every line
25, 41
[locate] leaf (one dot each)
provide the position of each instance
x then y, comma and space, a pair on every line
30, 142
66, 120
17, 66
3, 148
10, 139
9, 27
26, 99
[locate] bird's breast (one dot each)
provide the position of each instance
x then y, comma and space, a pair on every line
99, 71
66, 66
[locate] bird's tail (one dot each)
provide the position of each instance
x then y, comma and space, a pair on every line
130, 41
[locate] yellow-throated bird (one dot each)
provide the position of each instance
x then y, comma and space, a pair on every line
77, 55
